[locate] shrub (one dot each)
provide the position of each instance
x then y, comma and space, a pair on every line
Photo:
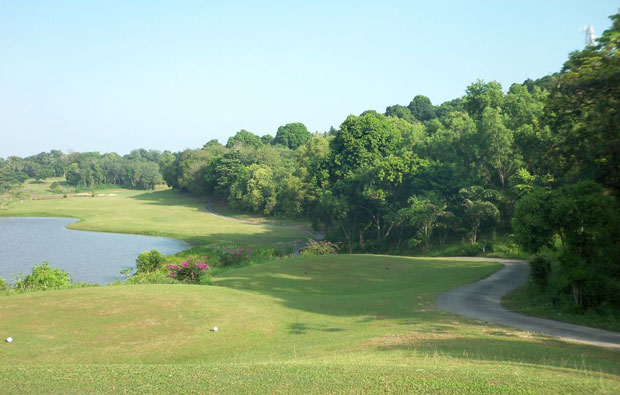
45, 277
149, 261
540, 269
3, 284
314, 247
189, 271
230, 256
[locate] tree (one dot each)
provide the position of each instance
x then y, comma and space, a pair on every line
401, 112
423, 213
584, 112
292, 135
585, 220
477, 208
421, 108
267, 139
244, 138
481, 95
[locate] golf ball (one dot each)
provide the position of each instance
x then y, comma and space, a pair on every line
215, 329
9, 339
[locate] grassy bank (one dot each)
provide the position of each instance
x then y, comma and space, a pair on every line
311, 324
161, 213
530, 301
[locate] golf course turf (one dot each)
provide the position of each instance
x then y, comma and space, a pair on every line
310, 324
328, 324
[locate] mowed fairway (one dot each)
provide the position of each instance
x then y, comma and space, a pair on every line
161, 213
349, 323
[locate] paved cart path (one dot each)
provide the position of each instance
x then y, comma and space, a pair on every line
481, 301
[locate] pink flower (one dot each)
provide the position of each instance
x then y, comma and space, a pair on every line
184, 264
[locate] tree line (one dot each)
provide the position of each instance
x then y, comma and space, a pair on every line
539, 162
138, 169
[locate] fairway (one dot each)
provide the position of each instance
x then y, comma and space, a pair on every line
350, 323
161, 213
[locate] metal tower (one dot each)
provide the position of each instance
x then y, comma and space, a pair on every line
590, 37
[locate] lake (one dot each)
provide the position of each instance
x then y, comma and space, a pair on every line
93, 257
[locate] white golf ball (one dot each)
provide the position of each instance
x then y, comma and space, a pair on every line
215, 329
9, 339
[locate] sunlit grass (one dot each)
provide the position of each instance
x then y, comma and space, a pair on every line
312, 324
162, 213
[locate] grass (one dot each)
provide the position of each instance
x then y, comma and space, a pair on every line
161, 213
349, 323
529, 301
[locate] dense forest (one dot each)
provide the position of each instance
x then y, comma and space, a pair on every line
538, 164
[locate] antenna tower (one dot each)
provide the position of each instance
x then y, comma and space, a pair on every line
590, 37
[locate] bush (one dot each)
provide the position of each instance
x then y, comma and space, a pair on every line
320, 248
45, 277
149, 261
540, 269
189, 271
3, 284
231, 256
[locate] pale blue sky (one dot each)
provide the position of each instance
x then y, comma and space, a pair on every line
117, 75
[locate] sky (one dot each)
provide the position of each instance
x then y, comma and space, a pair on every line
112, 76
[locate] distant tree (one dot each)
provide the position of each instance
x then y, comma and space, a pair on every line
477, 208
267, 139
244, 138
401, 112
421, 108
481, 95
423, 213
292, 135
211, 143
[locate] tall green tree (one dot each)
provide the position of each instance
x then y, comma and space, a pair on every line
584, 112
292, 135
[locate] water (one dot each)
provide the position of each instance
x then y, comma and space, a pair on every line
93, 257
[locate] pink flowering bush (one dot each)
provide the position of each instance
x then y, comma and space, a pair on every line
189, 271
230, 256
320, 248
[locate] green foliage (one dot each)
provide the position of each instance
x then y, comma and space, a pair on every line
540, 270
421, 108
232, 255
149, 261
314, 247
584, 112
586, 222
532, 221
244, 138
3, 284
45, 277
292, 135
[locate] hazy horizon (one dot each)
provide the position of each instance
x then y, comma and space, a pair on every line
113, 77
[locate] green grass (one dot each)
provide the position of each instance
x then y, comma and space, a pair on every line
161, 213
350, 323
529, 301
224, 209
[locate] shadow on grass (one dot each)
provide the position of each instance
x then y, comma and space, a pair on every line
170, 197
544, 351
299, 328
402, 300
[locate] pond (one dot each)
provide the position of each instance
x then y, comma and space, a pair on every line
93, 257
